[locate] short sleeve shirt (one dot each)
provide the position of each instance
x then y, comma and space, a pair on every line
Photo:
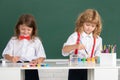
27, 50
87, 41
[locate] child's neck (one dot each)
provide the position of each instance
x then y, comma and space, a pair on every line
88, 33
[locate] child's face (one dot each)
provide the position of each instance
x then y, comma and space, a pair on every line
89, 27
25, 30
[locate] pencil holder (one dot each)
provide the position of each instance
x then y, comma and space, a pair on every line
108, 59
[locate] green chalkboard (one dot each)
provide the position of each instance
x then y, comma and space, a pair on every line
56, 21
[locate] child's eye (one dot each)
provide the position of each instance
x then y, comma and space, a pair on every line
29, 29
22, 29
87, 24
93, 25
90, 24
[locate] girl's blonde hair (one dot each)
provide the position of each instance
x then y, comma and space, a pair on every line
92, 16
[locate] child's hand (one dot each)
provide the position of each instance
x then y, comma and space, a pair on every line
33, 62
80, 46
14, 59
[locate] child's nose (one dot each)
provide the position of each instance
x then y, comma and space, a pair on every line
25, 32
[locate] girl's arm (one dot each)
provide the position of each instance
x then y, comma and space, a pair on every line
38, 60
98, 49
68, 48
70, 45
40, 52
8, 57
13, 59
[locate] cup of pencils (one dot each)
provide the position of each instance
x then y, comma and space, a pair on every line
108, 55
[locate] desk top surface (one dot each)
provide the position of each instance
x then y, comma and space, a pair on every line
59, 65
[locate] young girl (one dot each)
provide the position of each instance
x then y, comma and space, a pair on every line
85, 39
25, 46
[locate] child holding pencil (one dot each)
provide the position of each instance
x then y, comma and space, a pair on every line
25, 46
85, 41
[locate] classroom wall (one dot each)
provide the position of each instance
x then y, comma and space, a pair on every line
56, 21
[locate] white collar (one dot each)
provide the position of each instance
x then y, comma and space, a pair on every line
87, 35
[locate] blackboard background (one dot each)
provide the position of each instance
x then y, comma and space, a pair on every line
56, 21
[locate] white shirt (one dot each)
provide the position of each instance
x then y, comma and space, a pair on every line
26, 49
87, 41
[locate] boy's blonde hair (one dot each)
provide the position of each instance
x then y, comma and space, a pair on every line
92, 16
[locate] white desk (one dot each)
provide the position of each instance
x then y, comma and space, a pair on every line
13, 71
